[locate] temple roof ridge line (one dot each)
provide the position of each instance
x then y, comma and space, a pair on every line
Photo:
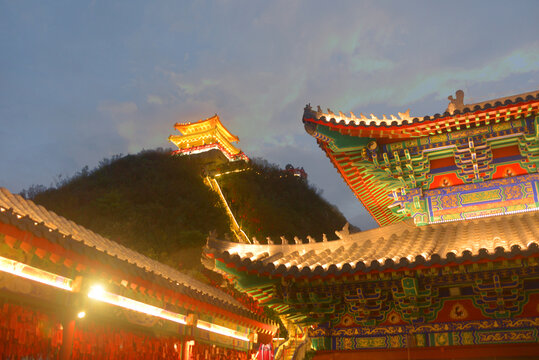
344, 237
456, 107
403, 116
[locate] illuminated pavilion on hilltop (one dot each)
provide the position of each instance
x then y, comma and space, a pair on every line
453, 271
206, 135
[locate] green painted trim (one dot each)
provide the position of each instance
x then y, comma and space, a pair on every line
246, 281
343, 143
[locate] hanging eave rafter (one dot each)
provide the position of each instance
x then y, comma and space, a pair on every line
371, 194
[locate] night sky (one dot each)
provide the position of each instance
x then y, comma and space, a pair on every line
84, 80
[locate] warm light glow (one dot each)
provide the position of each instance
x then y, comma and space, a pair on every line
81, 314
206, 135
228, 210
231, 171
35, 274
98, 292
204, 325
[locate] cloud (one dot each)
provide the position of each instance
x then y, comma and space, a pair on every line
444, 82
117, 108
365, 64
154, 99
256, 64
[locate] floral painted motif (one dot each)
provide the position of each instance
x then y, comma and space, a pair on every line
458, 312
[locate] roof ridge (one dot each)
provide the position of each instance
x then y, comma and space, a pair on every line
406, 119
378, 251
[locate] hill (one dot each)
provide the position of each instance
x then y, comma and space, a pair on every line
159, 205
268, 201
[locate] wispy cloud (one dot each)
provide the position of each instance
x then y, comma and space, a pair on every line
256, 64
154, 99
117, 108
441, 82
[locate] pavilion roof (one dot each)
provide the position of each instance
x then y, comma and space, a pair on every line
205, 135
27, 216
398, 246
203, 125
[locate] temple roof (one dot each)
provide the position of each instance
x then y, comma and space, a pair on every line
344, 139
28, 216
393, 247
341, 120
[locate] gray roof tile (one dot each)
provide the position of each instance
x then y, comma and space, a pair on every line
448, 241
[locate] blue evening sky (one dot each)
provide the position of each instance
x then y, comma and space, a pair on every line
83, 80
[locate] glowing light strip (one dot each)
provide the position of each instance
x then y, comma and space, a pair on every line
98, 293
231, 171
218, 329
35, 274
229, 211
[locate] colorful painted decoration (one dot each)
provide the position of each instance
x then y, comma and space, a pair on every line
390, 164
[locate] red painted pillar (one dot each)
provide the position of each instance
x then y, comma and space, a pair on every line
68, 335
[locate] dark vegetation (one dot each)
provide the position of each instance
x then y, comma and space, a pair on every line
158, 204
151, 202
268, 201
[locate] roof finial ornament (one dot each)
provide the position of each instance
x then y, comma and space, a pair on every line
344, 232
405, 115
212, 235
284, 240
456, 104
255, 241
270, 242
311, 239
324, 238
297, 240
